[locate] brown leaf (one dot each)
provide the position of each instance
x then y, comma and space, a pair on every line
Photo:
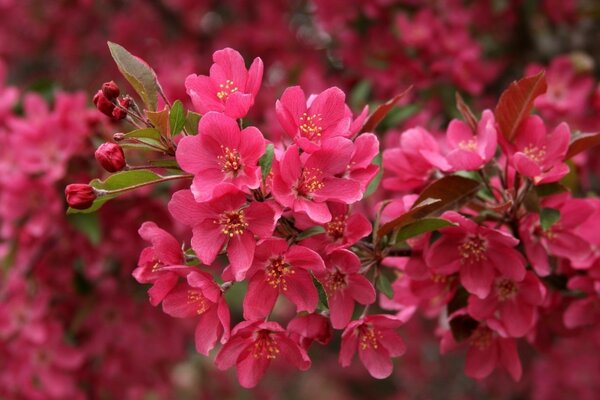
516, 103
380, 112
581, 143
466, 112
438, 196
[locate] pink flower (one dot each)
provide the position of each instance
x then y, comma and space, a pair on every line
310, 122
376, 340
252, 347
305, 184
308, 328
486, 350
221, 153
514, 304
342, 231
200, 297
361, 167
281, 269
471, 152
539, 156
409, 165
226, 220
477, 253
343, 286
230, 88
165, 251
585, 311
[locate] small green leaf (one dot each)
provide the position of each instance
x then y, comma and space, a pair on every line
87, 224
384, 286
314, 230
548, 189
548, 217
191, 122
323, 304
374, 184
120, 180
266, 161
176, 118
171, 164
421, 226
138, 73
149, 133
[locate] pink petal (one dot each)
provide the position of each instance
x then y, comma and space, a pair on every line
260, 298
251, 369
184, 208
509, 358
166, 247
392, 342
341, 306
293, 353
477, 278
207, 241
518, 318
526, 166
377, 361
255, 75
207, 331
463, 160
223, 129
304, 258
252, 145
240, 252
301, 291
458, 132
318, 212
348, 346
261, 219
230, 352
238, 104
361, 289
202, 90
481, 362
162, 287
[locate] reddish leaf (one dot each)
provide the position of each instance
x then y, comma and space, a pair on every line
439, 195
466, 112
516, 103
160, 120
380, 112
582, 143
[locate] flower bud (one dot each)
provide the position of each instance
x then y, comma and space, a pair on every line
110, 90
117, 137
80, 195
110, 156
119, 114
103, 104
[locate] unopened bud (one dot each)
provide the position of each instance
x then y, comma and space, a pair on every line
110, 156
80, 195
110, 90
117, 137
119, 113
103, 104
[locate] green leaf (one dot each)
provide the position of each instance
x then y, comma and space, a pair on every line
374, 184
149, 133
384, 286
446, 192
171, 164
548, 217
88, 225
138, 73
548, 189
266, 161
191, 122
323, 304
312, 231
120, 180
421, 226
516, 103
176, 118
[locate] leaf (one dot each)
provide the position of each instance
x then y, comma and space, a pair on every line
149, 133
374, 184
312, 231
462, 327
360, 92
380, 112
191, 122
438, 196
581, 143
88, 225
548, 189
516, 103
176, 118
466, 112
384, 286
421, 226
323, 303
120, 180
138, 73
160, 119
172, 164
548, 217
266, 161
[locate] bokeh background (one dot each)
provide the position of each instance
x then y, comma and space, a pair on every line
73, 322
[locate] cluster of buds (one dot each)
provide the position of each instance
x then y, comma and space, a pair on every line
107, 101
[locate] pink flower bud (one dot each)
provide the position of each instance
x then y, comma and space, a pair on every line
118, 136
103, 104
119, 114
110, 156
80, 195
110, 90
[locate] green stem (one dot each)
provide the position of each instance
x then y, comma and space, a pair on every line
104, 192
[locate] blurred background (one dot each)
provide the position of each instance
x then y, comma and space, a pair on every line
73, 322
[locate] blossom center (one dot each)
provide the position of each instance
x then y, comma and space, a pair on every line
481, 338
505, 289
277, 271
473, 250
310, 181
468, 145
335, 228
535, 153
336, 281
310, 126
233, 223
196, 298
265, 346
225, 89
230, 160
369, 338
